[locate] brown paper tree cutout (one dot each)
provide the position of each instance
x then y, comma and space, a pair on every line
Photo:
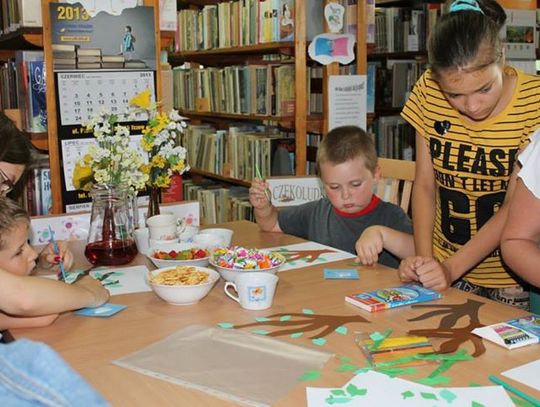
306, 323
456, 336
309, 256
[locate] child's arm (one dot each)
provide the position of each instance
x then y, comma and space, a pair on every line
266, 214
519, 242
375, 238
48, 258
423, 200
35, 296
11, 322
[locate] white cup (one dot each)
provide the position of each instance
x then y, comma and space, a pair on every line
186, 233
141, 238
207, 241
255, 289
225, 234
162, 227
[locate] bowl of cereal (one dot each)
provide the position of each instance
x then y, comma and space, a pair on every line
182, 285
235, 260
178, 254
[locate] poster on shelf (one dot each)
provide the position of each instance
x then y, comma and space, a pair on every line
347, 101
122, 38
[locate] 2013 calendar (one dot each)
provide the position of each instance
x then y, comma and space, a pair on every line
82, 95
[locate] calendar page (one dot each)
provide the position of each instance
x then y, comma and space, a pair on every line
74, 150
82, 95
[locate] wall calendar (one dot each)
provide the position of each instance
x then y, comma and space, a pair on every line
82, 95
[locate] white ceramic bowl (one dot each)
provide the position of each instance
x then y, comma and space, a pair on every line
184, 294
229, 274
177, 247
225, 235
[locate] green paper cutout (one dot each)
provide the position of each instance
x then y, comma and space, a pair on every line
346, 367
447, 395
297, 334
431, 381
428, 396
337, 400
380, 338
445, 365
407, 394
521, 402
310, 375
262, 319
226, 325
345, 358
459, 355
355, 391
338, 392
394, 371
342, 330
319, 341
477, 404
363, 370
307, 311
285, 318
395, 362
260, 332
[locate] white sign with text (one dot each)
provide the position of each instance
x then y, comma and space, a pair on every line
292, 191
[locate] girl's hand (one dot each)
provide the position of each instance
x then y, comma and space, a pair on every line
100, 294
407, 268
433, 274
258, 194
49, 259
369, 245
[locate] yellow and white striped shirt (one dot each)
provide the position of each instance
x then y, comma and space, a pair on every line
472, 163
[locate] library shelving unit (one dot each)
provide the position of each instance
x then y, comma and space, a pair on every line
221, 57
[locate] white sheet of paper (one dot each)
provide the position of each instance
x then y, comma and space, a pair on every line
347, 101
526, 374
383, 391
329, 254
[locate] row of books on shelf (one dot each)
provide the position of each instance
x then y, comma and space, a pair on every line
237, 89
241, 151
403, 29
235, 23
393, 137
37, 196
219, 204
15, 14
23, 87
69, 56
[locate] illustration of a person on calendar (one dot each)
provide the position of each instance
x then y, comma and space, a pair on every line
127, 46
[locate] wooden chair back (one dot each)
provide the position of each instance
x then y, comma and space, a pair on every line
396, 182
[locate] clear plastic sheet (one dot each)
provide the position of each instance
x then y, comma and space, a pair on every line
231, 364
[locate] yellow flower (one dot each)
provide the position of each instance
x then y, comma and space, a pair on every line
147, 143
87, 159
145, 168
142, 100
82, 177
163, 181
158, 161
179, 166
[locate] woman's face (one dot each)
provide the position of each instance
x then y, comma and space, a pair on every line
9, 176
476, 94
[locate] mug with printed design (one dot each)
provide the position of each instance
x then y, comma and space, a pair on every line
255, 289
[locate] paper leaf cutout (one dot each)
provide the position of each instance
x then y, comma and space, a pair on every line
226, 325
262, 319
428, 396
407, 394
285, 318
319, 341
447, 395
297, 334
310, 375
342, 330
260, 332
355, 391
307, 311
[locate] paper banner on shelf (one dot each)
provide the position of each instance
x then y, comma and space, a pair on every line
309, 254
376, 389
347, 101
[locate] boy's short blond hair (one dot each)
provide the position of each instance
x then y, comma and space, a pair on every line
347, 143
11, 213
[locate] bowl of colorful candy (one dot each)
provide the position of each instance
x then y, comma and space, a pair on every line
178, 254
232, 261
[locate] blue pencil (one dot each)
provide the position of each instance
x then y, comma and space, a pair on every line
512, 389
62, 274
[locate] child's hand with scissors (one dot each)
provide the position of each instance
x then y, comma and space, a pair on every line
49, 259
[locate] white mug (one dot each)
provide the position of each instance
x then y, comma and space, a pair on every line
225, 235
208, 241
162, 227
141, 238
255, 289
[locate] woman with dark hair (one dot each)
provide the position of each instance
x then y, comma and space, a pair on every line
15, 155
472, 114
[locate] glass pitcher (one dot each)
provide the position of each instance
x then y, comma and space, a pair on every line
110, 238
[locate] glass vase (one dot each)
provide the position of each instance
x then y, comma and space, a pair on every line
153, 201
110, 238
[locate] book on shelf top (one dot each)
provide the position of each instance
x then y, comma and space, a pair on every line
89, 52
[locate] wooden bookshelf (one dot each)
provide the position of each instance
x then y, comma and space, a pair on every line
23, 38
218, 177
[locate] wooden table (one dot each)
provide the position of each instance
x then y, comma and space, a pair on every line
90, 344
